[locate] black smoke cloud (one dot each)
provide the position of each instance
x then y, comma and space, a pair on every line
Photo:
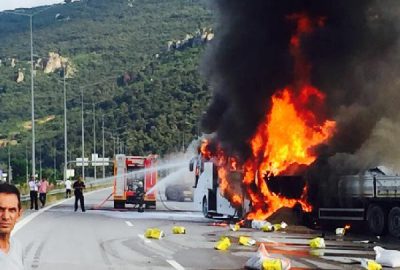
354, 60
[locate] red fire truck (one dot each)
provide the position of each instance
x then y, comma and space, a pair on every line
131, 173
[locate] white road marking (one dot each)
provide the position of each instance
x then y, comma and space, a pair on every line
141, 236
129, 223
176, 265
30, 217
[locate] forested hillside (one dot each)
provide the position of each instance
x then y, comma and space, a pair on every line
136, 63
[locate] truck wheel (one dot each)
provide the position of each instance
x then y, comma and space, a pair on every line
394, 222
376, 218
205, 208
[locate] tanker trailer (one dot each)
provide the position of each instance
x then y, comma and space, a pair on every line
372, 197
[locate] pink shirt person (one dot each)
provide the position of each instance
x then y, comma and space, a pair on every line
44, 185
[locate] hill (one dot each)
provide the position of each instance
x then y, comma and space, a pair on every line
136, 62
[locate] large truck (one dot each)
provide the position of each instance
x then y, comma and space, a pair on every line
131, 173
372, 197
207, 195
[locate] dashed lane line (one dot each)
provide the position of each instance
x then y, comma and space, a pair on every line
175, 264
141, 236
129, 223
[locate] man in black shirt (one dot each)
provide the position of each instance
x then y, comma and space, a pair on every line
78, 186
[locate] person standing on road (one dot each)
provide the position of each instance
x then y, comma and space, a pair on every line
43, 186
140, 196
11, 252
78, 186
68, 187
33, 193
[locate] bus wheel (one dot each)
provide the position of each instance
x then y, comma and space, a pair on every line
205, 208
376, 218
394, 222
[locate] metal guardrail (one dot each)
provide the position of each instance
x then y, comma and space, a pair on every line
25, 198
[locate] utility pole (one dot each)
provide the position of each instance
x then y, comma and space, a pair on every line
32, 106
27, 163
102, 127
83, 140
40, 163
55, 162
65, 132
94, 141
32, 84
114, 144
9, 165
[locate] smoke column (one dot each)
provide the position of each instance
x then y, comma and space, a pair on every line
354, 58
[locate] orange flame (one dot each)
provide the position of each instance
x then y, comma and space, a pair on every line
292, 128
290, 138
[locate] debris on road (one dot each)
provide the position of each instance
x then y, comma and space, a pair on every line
387, 257
317, 242
246, 241
178, 230
154, 233
263, 261
280, 226
370, 265
234, 227
258, 224
342, 231
267, 227
223, 244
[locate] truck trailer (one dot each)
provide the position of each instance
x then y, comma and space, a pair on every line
372, 197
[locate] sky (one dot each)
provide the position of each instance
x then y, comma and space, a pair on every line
13, 4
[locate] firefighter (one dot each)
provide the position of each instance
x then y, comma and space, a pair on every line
140, 196
79, 186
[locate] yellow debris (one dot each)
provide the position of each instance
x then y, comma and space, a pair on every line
223, 244
317, 242
277, 227
235, 227
280, 226
317, 252
272, 264
372, 265
178, 230
246, 241
154, 233
267, 228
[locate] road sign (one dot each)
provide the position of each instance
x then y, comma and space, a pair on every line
79, 162
98, 161
70, 173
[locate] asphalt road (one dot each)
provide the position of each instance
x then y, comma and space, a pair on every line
58, 238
